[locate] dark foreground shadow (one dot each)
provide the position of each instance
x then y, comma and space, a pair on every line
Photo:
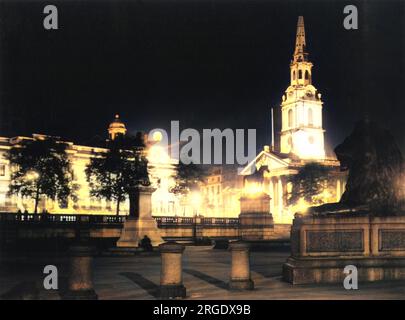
26, 290
147, 285
214, 281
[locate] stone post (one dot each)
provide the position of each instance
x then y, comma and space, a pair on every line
80, 281
240, 270
171, 279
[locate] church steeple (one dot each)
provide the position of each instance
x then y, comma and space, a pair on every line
300, 53
302, 131
301, 73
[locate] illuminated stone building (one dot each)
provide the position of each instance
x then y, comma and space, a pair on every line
299, 140
161, 170
220, 192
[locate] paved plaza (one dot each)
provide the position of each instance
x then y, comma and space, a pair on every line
205, 273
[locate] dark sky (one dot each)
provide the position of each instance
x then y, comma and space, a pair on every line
209, 64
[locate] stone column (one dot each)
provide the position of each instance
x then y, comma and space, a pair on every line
171, 279
275, 193
80, 282
284, 182
240, 270
280, 200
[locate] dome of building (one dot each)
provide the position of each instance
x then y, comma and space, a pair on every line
117, 127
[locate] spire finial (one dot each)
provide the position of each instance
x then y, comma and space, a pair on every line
300, 53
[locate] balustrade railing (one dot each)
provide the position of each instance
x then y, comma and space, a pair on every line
162, 221
184, 221
60, 218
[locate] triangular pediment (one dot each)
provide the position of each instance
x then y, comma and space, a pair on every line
264, 159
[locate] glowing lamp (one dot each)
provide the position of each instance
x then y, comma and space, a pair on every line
32, 175
252, 188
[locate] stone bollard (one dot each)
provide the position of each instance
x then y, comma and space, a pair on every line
171, 279
80, 282
240, 270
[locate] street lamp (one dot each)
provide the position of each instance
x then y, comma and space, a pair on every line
196, 201
32, 175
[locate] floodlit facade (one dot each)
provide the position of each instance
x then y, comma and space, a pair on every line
161, 167
299, 141
301, 109
220, 192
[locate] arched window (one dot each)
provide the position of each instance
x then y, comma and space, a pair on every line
306, 75
299, 74
310, 117
294, 75
290, 118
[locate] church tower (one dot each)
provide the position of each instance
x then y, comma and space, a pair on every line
302, 133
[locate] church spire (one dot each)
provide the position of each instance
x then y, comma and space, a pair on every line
301, 74
300, 53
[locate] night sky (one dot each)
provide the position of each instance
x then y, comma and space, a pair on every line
209, 64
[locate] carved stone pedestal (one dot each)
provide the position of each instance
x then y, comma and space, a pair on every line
140, 222
322, 246
135, 229
255, 221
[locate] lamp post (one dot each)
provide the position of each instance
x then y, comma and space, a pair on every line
33, 175
196, 200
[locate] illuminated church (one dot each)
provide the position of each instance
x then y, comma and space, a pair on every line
297, 139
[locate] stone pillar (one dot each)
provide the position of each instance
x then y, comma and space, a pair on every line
280, 199
171, 279
80, 282
284, 182
271, 194
240, 270
275, 193
140, 222
255, 221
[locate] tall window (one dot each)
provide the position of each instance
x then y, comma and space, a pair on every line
2, 170
310, 117
290, 118
294, 75
299, 74
306, 75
